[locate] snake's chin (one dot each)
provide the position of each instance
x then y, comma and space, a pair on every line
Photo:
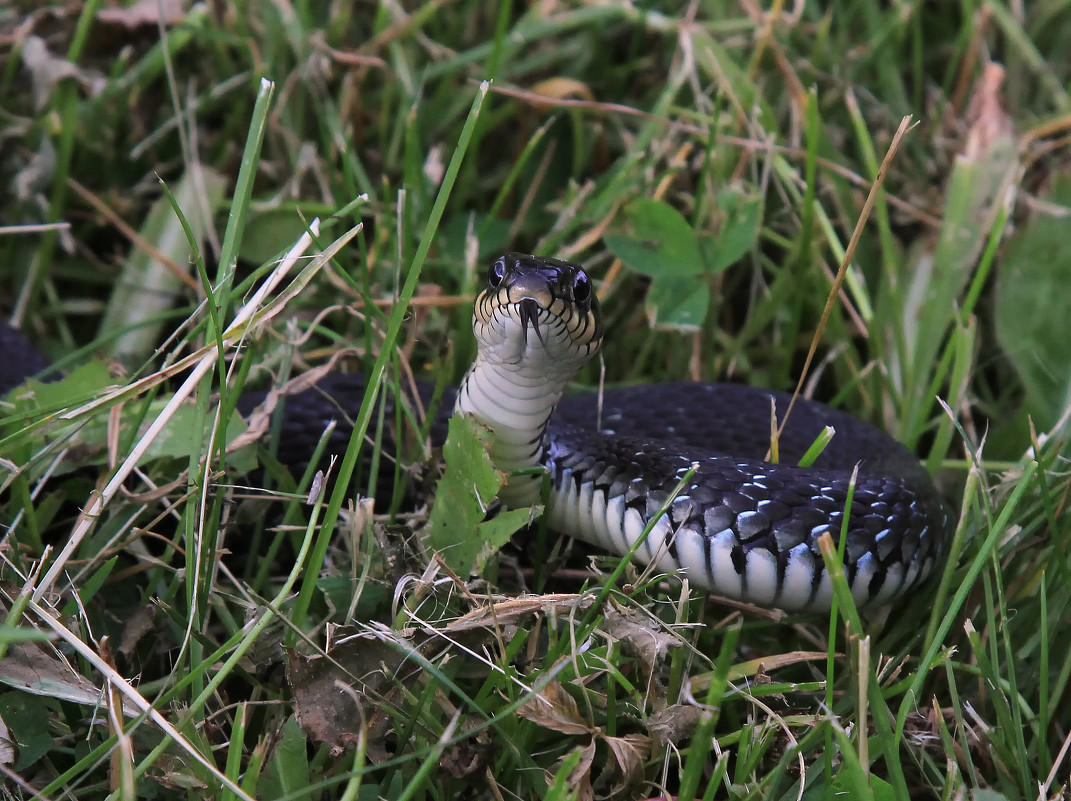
529, 343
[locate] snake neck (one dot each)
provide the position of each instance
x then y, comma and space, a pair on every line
515, 401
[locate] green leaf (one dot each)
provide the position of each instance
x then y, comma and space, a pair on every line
81, 384
493, 233
35, 399
563, 785
983, 794
468, 486
27, 720
739, 233
1032, 322
271, 231
657, 241
179, 438
677, 304
182, 437
287, 772
147, 286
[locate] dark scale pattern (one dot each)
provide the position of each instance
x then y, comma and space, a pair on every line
19, 359
896, 513
649, 437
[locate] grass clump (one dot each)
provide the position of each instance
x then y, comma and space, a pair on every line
317, 188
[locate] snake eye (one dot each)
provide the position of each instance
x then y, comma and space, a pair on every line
496, 273
581, 286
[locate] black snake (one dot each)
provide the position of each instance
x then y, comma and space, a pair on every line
738, 525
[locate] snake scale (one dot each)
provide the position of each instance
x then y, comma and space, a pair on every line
739, 526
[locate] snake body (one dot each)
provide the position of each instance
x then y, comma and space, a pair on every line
683, 464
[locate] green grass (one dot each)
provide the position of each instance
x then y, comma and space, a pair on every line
318, 650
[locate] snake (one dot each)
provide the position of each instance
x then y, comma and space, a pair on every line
673, 475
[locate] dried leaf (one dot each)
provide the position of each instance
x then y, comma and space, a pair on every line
40, 669
515, 610
580, 777
766, 663
990, 124
338, 696
630, 752
144, 13
7, 745
471, 756
46, 70
558, 88
675, 724
643, 636
553, 708
137, 626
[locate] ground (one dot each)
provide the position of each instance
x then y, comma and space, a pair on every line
866, 199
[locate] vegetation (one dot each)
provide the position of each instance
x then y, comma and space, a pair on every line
180, 624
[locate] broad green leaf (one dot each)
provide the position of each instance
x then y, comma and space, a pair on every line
287, 773
178, 439
147, 286
741, 222
468, 486
493, 233
677, 304
35, 399
271, 231
983, 794
27, 720
495, 533
79, 385
182, 434
656, 241
1032, 321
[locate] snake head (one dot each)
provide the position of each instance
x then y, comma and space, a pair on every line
537, 310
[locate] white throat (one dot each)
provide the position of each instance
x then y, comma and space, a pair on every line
513, 389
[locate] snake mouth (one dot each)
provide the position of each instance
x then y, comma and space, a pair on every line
529, 311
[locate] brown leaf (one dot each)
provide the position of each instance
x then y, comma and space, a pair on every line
559, 89
144, 13
630, 752
990, 124
754, 667
580, 778
7, 745
260, 418
553, 708
470, 756
516, 610
40, 669
341, 695
46, 70
642, 636
674, 724
140, 623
